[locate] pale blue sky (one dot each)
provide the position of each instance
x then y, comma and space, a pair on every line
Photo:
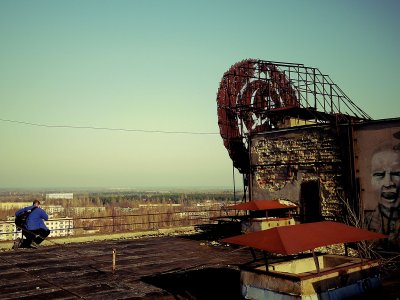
156, 65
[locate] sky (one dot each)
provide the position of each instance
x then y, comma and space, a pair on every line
156, 66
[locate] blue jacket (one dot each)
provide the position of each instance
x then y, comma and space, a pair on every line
35, 218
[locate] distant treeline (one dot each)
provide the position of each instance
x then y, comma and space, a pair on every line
126, 198
122, 198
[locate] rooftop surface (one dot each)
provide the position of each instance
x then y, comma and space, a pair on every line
168, 267
163, 267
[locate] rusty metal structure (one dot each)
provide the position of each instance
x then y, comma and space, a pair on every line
258, 96
302, 237
294, 134
316, 277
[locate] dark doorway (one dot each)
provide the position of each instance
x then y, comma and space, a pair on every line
310, 201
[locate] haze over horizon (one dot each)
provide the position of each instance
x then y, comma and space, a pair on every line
152, 68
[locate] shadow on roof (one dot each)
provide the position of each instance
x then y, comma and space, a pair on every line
205, 283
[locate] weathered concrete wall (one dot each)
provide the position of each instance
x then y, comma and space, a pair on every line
284, 284
281, 161
358, 164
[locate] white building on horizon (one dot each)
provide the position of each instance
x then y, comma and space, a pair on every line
68, 196
58, 227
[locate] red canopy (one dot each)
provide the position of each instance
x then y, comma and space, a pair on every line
261, 205
301, 237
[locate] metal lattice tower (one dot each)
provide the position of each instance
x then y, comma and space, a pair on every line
256, 96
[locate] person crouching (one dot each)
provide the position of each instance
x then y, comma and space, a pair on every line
35, 230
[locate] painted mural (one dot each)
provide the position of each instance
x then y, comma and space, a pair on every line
377, 153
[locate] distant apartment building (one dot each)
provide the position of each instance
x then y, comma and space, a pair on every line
50, 209
80, 210
53, 209
151, 205
208, 203
68, 196
125, 209
8, 230
58, 227
13, 205
61, 227
193, 214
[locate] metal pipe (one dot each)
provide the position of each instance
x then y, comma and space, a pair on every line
114, 254
266, 261
253, 254
316, 261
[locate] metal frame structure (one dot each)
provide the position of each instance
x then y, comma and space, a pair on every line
257, 96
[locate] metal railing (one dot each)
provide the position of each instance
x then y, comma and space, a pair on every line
79, 226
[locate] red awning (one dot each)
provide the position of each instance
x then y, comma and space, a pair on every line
302, 237
261, 205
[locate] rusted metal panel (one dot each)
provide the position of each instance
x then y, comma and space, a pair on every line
302, 237
261, 205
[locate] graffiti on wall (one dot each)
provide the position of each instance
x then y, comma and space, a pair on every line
378, 163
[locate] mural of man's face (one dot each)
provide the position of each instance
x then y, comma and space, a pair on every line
385, 167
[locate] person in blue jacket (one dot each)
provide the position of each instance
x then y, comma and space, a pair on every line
35, 230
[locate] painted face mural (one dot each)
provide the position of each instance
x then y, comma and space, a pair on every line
385, 187
385, 177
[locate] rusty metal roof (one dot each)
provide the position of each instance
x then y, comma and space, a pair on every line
302, 237
261, 205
